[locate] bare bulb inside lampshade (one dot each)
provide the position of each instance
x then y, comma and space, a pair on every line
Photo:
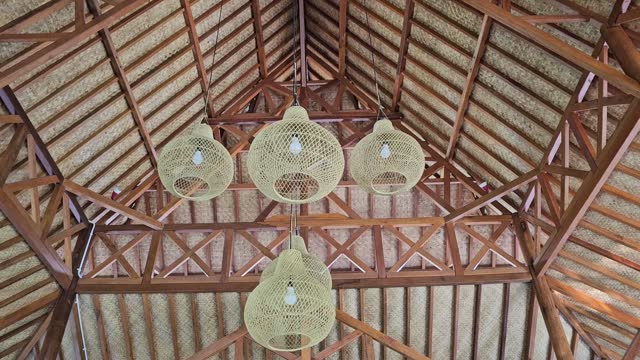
197, 157
295, 147
291, 298
385, 153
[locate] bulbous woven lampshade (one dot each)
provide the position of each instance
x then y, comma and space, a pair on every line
312, 265
295, 160
291, 309
195, 166
387, 161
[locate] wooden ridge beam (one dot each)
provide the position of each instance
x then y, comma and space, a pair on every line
634, 348
481, 45
303, 44
60, 46
557, 46
606, 162
342, 36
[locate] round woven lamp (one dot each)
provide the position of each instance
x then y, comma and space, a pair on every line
195, 166
291, 310
312, 265
295, 160
387, 161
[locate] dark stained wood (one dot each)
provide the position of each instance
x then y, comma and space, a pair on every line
544, 296
557, 46
634, 348
402, 53
609, 157
481, 45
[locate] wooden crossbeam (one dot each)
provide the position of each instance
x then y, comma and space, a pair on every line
627, 129
634, 348
551, 43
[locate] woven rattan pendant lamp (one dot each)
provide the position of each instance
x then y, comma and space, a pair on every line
387, 161
292, 307
195, 166
295, 160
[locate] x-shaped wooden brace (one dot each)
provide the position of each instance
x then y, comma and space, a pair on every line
344, 249
108, 242
118, 254
417, 248
189, 253
489, 245
266, 253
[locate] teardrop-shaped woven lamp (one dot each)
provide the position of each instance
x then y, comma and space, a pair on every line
295, 160
291, 310
195, 166
387, 161
312, 265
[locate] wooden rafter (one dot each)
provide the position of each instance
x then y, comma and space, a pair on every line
544, 296
402, 53
481, 45
606, 162
571, 54
62, 45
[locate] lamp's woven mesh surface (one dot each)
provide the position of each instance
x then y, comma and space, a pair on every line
295, 160
387, 161
195, 166
283, 326
312, 265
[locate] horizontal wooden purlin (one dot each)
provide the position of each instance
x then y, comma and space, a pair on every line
181, 284
317, 116
325, 221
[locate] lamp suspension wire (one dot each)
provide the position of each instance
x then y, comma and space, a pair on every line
294, 24
213, 62
373, 62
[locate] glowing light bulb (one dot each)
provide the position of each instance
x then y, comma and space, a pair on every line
197, 157
385, 153
291, 298
295, 147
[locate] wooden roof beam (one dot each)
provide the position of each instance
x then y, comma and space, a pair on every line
634, 348
60, 46
257, 27
197, 51
402, 53
303, 46
342, 36
481, 45
125, 86
606, 162
625, 50
557, 46
544, 295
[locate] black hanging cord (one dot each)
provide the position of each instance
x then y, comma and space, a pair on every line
294, 23
373, 62
213, 61
293, 224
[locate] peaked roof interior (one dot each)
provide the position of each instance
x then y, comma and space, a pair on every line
520, 242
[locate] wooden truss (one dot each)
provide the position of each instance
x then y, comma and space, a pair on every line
540, 229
